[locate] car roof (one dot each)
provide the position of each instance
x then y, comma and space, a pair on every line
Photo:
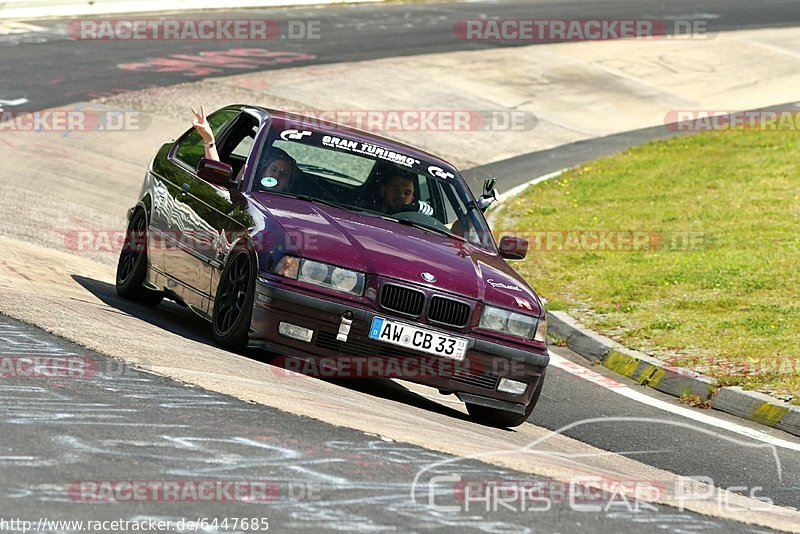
346, 131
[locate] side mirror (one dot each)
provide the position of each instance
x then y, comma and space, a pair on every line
513, 248
215, 172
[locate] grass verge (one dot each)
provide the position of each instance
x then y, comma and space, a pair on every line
687, 249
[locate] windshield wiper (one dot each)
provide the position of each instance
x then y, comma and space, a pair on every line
426, 227
326, 202
371, 212
318, 201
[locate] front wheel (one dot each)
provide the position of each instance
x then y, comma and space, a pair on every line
502, 418
233, 305
132, 264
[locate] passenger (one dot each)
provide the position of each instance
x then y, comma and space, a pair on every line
279, 169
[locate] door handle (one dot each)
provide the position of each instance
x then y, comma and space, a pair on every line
185, 189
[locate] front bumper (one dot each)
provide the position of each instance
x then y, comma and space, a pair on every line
477, 376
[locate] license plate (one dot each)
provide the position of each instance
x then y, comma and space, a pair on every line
411, 337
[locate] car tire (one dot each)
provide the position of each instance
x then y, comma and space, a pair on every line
132, 264
233, 303
503, 418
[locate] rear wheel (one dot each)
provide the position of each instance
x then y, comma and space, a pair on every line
233, 305
503, 418
132, 264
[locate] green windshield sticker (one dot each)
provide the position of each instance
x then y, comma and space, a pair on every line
269, 181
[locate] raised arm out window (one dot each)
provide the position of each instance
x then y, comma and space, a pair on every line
192, 148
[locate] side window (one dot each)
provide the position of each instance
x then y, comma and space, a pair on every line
448, 196
424, 191
191, 148
462, 219
239, 140
242, 150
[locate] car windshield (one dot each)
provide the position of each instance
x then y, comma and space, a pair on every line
369, 178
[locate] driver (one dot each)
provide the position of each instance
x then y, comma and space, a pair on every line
397, 191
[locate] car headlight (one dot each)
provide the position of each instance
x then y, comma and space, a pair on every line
521, 325
313, 272
494, 318
344, 280
516, 324
321, 274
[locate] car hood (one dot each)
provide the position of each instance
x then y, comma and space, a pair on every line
383, 247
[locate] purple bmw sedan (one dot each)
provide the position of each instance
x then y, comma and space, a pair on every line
328, 244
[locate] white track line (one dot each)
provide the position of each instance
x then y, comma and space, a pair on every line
621, 389
514, 191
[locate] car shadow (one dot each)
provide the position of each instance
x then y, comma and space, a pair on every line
179, 320
168, 315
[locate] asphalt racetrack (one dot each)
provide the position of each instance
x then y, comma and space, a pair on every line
164, 404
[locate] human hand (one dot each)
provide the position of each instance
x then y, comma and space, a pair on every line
201, 124
489, 194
